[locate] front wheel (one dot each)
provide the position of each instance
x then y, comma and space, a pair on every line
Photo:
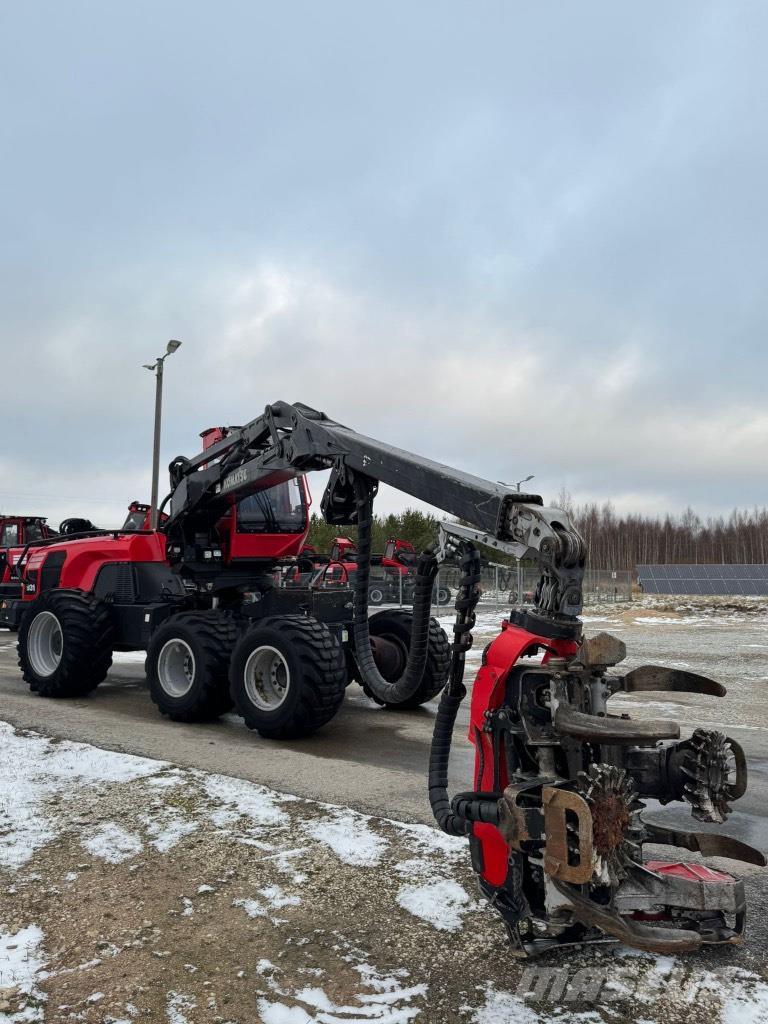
187, 663
65, 643
288, 676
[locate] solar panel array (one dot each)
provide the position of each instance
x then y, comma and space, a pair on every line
750, 580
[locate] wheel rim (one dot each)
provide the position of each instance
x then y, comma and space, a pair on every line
390, 655
45, 643
267, 678
376, 596
176, 668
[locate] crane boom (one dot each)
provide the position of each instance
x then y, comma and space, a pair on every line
287, 440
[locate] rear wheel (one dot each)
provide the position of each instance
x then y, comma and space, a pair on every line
187, 666
442, 595
376, 594
390, 632
65, 643
288, 676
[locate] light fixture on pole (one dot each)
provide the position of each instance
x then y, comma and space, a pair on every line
157, 368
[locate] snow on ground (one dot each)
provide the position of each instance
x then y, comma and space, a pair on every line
350, 838
36, 773
441, 902
21, 970
380, 997
112, 843
136, 890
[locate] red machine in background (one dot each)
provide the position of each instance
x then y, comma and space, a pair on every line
15, 533
393, 576
140, 517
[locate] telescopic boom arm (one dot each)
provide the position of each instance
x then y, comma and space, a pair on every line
288, 440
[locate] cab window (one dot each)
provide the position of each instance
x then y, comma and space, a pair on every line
9, 535
34, 532
279, 509
134, 522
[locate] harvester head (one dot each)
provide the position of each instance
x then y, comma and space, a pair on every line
561, 855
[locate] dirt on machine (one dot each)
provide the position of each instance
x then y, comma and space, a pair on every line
556, 812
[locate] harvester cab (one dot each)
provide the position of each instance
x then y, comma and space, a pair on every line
400, 554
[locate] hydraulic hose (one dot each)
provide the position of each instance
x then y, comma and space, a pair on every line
456, 816
406, 686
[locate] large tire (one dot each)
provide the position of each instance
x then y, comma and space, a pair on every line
65, 643
395, 625
442, 595
377, 593
288, 676
187, 666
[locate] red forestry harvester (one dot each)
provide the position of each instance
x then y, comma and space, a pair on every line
554, 821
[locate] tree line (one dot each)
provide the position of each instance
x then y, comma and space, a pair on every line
622, 541
417, 527
614, 540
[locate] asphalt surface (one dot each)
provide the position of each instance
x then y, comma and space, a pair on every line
375, 760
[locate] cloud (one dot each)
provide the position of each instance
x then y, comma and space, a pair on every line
515, 243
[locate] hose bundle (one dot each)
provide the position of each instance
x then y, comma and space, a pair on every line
406, 686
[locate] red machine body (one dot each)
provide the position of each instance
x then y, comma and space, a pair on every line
501, 656
83, 559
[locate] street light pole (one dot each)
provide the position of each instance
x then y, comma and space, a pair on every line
518, 485
157, 368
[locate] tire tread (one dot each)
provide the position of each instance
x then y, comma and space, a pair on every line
88, 637
216, 634
324, 675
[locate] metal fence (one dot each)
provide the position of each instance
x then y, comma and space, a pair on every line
501, 586
504, 586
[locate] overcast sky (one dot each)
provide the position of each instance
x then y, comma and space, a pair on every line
518, 238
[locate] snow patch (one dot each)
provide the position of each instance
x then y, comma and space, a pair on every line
441, 903
240, 799
21, 967
504, 1008
112, 843
271, 897
176, 1007
167, 828
348, 835
167, 780
276, 898
386, 1000
35, 772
